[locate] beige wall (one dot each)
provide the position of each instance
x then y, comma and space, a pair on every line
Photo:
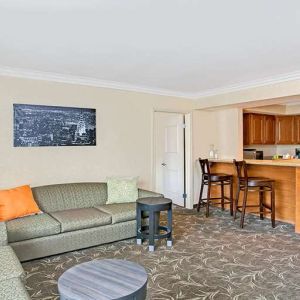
222, 128
293, 109
124, 134
230, 133
269, 109
205, 134
276, 109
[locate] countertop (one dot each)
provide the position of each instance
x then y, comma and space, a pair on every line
277, 162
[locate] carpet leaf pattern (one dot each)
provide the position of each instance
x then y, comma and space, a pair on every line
211, 259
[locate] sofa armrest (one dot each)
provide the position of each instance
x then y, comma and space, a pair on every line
145, 193
3, 234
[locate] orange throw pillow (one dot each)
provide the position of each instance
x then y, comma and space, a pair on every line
17, 202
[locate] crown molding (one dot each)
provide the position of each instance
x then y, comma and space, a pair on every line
87, 81
248, 85
71, 79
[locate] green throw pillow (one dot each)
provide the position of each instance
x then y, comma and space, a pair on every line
121, 190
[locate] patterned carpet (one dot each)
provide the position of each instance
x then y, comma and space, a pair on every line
211, 259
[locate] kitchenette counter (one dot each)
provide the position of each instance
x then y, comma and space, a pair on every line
265, 162
286, 174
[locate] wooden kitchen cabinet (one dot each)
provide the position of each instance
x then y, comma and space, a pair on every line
285, 130
246, 129
297, 129
257, 133
270, 129
259, 129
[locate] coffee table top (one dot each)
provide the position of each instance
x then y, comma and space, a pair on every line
102, 280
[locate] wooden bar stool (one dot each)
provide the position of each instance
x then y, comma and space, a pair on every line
247, 184
210, 179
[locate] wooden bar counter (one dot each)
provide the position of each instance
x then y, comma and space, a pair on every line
286, 174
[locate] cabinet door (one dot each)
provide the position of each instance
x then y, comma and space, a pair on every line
269, 123
297, 129
246, 129
285, 130
257, 135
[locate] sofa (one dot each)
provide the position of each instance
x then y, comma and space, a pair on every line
75, 216
11, 272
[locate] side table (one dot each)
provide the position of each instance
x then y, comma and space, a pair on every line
154, 205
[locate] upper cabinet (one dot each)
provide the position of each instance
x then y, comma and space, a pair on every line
257, 132
259, 129
285, 130
297, 129
269, 129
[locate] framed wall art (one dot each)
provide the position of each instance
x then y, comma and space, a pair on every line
41, 125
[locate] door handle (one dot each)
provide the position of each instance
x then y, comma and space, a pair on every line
163, 164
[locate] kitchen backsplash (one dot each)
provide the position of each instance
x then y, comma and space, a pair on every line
270, 150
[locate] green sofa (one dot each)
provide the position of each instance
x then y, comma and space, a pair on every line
11, 272
75, 216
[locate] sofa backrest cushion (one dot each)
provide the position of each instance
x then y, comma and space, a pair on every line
58, 197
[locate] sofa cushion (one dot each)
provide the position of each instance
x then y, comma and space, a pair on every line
31, 227
10, 265
120, 212
58, 197
81, 218
13, 289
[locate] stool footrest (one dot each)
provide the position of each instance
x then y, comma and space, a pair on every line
216, 198
215, 183
256, 212
264, 206
144, 232
204, 202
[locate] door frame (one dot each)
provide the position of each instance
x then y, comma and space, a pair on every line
188, 168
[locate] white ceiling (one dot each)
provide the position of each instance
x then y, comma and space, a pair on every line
180, 47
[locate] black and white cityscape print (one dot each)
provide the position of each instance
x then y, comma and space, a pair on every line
41, 125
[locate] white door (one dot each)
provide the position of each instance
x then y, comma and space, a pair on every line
169, 155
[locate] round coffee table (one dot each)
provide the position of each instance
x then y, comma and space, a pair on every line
104, 279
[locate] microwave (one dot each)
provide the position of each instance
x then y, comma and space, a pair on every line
253, 154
